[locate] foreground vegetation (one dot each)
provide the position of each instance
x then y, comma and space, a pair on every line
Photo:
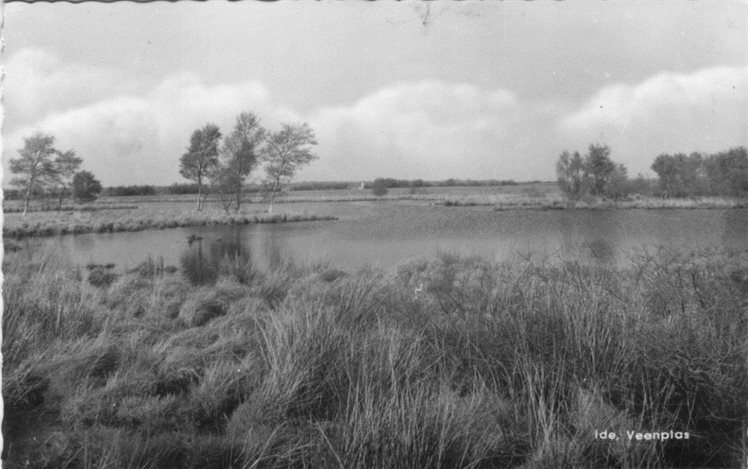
453, 362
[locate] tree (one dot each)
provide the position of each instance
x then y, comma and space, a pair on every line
240, 151
598, 168
570, 173
595, 174
37, 168
65, 166
224, 182
679, 175
284, 152
85, 187
379, 187
617, 185
201, 158
727, 172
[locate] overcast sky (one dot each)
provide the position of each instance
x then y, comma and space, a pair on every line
467, 90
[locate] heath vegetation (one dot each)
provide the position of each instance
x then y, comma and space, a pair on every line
450, 362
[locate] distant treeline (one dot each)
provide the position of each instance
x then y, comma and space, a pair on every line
723, 173
595, 174
176, 189
320, 186
395, 183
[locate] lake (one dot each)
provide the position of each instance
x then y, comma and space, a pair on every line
387, 234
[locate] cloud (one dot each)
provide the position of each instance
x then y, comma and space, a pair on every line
139, 139
670, 112
417, 130
38, 83
427, 129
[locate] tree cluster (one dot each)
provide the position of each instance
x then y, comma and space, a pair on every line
724, 173
129, 191
679, 175
44, 171
224, 166
594, 174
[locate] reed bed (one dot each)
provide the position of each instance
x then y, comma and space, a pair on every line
450, 362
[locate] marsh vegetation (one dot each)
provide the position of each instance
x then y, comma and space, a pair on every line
448, 362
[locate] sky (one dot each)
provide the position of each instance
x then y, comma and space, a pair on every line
481, 90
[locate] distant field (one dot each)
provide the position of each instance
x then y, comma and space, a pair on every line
549, 189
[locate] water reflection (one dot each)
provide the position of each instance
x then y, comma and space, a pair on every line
735, 230
202, 260
389, 235
594, 235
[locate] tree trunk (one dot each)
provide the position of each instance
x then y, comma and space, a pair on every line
26, 202
205, 197
272, 195
199, 195
238, 197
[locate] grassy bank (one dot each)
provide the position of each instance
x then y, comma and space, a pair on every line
556, 202
453, 362
136, 219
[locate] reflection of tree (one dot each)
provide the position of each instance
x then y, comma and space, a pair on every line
735, 223
272, 250
196, 265
590, 234
203, 260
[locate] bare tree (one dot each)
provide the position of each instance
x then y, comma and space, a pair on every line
284, 152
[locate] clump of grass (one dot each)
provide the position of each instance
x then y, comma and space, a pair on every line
99, 277
210, 302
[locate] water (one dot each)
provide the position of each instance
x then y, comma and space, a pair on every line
389, 234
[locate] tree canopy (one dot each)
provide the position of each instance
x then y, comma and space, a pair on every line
85, 187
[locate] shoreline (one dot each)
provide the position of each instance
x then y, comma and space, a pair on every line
49, 228
639, 204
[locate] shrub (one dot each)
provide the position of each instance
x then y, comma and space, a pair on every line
379, 187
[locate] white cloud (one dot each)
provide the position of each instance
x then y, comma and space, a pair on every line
703, 111
418, 130
38, 83
139, 139
429, 129
425, 129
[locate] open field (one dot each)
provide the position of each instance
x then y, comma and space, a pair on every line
452, 362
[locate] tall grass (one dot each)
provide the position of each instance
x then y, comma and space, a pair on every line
451, 362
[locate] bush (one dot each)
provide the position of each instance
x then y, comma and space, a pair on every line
379, 187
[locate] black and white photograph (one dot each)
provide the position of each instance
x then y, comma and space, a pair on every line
388, 234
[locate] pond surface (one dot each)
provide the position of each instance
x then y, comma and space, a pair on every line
387, 234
